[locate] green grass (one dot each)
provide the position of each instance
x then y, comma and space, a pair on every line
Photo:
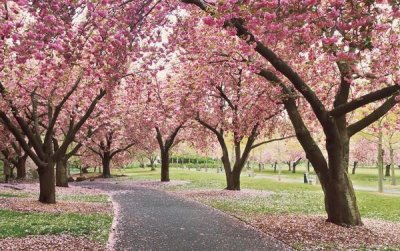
102, 198
20, 224
11, 195
289, 195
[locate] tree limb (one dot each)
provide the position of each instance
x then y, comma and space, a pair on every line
364, 100
372, 117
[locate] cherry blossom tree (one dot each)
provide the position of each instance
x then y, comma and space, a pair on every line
345, 60
362, 151
13, 152
165, 105
58, 60
118, 130
226, 97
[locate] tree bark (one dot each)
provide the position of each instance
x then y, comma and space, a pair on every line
152, 160
233, 181
61, 173
21, 167
353, 171
380, 161
392, 167
106, 161
165, 166
289, 165
340, 201
47, 184
387, 171
295, 163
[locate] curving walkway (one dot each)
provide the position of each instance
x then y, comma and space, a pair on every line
149, 219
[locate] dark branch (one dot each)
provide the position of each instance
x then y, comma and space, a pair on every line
364, 100
272, 140
372, 117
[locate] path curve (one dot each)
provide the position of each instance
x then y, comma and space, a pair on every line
149, 219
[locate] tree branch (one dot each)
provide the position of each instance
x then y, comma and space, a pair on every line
59, 107
372, 117
123, 149
71, 133
364, 100
272, 140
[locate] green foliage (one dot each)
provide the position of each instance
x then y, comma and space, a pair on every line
186, 159
21, 224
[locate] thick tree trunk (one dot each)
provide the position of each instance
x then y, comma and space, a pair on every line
233, 181
61, 173
275, 164
106, 163
21, 167
47, 184
164, 166
340, 201
340, 198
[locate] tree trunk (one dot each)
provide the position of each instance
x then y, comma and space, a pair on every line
387, 171
106, 160
276, 163
152, 160
340, 201
47, 184
21, 167
164, 166
233, 181
380, 162
290, 165
340, 198
353, 171
392, 166
61, 173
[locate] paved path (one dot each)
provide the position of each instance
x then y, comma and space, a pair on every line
155, 220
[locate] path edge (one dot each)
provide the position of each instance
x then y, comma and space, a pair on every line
113, 231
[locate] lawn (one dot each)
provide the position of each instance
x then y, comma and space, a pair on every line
79, 212
290, 195
21, 224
